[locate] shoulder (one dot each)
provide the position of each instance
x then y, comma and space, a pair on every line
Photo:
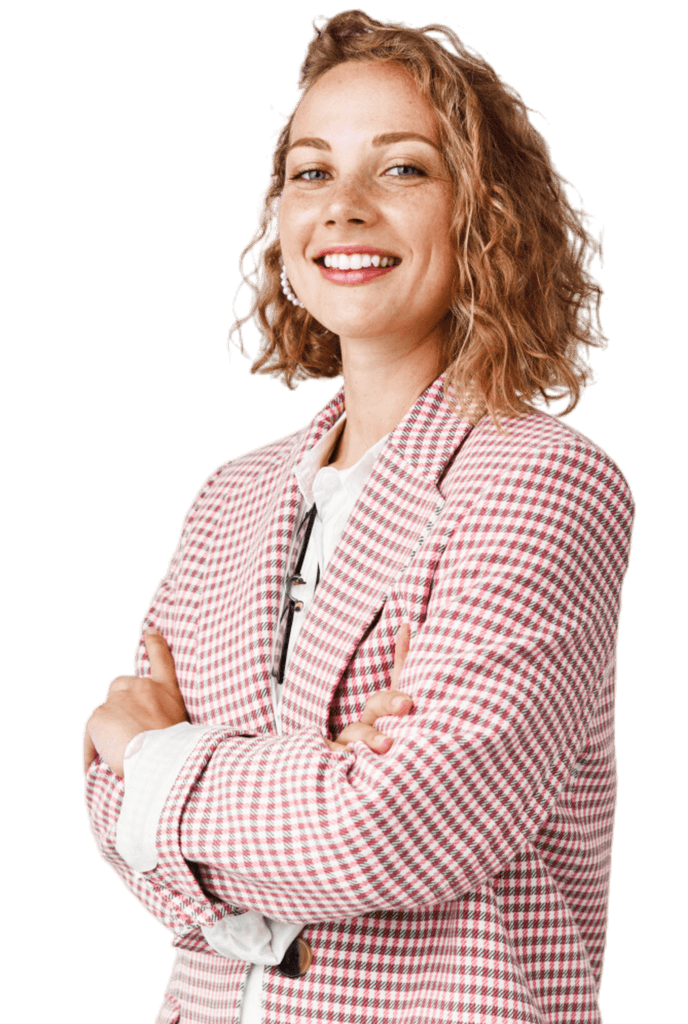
539, 435
539, 450
244, 480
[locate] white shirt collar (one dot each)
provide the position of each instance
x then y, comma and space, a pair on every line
352, 479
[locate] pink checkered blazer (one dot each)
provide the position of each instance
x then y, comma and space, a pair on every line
462, 877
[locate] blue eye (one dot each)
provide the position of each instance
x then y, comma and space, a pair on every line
404, 171
305, 175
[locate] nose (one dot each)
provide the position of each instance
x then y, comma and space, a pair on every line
349, 201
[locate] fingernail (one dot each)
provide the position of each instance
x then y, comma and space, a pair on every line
401, 703
152, 631
383, 743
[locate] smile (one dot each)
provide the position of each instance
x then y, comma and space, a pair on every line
352, 267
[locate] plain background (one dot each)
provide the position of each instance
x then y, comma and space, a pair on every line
137, 143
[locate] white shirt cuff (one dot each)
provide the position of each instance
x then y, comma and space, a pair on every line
251, 937
149, 774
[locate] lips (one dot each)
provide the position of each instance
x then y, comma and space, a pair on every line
353, 264
355, 276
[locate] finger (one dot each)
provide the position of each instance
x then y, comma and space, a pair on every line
89, 752
402, 642
160, 657
386, 702
367, 734
121, 683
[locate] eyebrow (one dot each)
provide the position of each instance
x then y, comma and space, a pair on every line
387, 139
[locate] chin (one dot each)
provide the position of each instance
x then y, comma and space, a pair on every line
362, 327
350, 322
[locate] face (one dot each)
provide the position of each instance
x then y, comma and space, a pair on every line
366, 209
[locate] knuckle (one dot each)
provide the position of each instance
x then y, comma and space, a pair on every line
375, 698
119, 684
376, 705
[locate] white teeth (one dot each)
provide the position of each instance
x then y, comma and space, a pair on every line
356, 260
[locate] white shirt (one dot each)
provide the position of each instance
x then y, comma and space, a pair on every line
154, 759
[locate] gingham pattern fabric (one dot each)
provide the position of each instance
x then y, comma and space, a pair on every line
462, 877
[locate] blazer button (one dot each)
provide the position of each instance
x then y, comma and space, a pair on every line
297, 960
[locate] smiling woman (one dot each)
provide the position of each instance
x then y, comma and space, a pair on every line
366, 769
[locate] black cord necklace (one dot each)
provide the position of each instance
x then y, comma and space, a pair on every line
293, 605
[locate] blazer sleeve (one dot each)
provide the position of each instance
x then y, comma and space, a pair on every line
180, 910
505, 670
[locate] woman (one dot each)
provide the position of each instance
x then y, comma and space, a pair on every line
427, 252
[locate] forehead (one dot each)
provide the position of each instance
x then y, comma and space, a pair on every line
359, 99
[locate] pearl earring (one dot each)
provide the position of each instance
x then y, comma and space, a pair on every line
286, 288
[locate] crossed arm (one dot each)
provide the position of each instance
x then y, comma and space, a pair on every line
506, 670
138, 704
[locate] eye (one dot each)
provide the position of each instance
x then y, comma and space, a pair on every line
405, 171
309, 174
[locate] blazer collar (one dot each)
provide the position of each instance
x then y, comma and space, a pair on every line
426, 438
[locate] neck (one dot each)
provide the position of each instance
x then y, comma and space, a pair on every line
381, 383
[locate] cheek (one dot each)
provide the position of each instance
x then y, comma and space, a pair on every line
428, 227
288, 225
293, 217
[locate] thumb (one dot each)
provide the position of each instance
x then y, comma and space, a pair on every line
161, 660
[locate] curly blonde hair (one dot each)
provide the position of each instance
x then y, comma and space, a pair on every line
524, 306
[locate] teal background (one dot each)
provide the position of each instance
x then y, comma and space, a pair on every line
138, 138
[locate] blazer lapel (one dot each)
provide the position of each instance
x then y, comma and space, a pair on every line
240, 618
273, 561
396, 511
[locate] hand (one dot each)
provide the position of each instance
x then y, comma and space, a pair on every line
382, 702
135, 704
